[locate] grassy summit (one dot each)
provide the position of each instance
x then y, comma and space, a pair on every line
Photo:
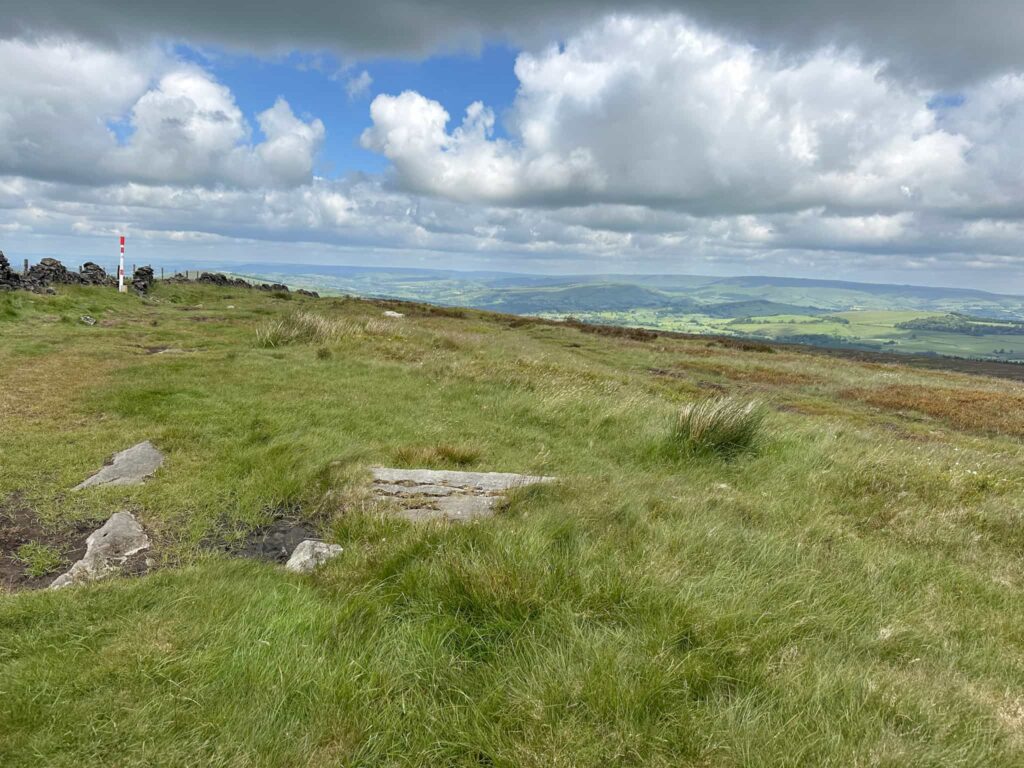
845, 592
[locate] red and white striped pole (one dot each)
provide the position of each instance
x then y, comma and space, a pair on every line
120, 270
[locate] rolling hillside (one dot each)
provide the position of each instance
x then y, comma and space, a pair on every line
749, 555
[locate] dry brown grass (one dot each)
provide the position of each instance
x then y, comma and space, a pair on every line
39, 388
755, 374
976, 410
443, 454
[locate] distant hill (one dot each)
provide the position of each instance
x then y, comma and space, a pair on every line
759, 308
580, 298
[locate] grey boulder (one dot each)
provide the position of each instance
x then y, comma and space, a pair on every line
107, 550
422, 495
129, 467
310, 554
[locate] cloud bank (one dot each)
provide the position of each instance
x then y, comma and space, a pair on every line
948, 41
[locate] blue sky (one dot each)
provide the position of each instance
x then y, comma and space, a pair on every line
314, 84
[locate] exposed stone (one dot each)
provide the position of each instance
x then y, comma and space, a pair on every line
88, 319
93, 274
310, 554
108, 550
129, 467
50, 272
428, 494
216, 278
142, 280
311, 294
9, 279
392, 313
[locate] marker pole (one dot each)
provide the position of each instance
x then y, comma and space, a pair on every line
121, 288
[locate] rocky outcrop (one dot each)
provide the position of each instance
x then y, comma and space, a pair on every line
9, 279
142, 280
93, 274
108, 551
50, 272
216, 278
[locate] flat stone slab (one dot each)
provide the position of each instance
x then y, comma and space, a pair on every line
431, 494
129, 467
310, 554
107, 550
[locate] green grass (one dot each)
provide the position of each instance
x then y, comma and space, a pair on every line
848, 594
725, 427
39, 559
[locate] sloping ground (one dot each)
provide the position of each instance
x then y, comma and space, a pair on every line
847, 595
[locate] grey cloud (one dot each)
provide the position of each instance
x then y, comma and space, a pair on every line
944, 41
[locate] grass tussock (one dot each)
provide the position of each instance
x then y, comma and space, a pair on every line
311, 328
720, 426
973, 410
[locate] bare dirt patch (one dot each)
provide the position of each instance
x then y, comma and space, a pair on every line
273, 542
19, 525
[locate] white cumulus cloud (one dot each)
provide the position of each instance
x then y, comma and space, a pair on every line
65, 103
660, 113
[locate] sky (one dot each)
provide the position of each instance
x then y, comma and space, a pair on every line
870, 141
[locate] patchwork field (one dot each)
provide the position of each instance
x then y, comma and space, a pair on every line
843, 588
825, 313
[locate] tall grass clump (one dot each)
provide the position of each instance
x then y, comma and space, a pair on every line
720, 426
311, 328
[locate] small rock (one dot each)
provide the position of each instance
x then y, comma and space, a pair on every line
392, 313
107, 550
310, 554
130, 467
88, 320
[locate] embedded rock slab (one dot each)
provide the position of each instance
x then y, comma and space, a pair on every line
392, 313
129, 467
429, 494
107, 550
310, 554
